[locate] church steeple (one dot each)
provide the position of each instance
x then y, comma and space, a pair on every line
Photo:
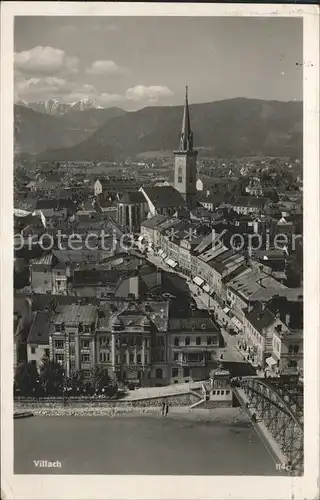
186, 139
185, 161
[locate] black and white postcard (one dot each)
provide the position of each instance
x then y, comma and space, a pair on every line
159, 250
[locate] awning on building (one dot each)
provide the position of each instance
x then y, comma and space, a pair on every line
206, 288
271, 361
226, 310
171, 263
198, 281
237, 323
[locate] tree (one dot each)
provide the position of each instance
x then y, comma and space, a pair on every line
52, 378
100, 378
26, 378
75, 381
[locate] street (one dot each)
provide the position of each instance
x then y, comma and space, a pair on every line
229, 352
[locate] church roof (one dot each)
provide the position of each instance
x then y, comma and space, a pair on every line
166, 196
134, 197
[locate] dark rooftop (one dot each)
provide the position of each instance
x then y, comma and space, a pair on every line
40, 328
76, 313
166, 196
134, 197
260, 318
249, 201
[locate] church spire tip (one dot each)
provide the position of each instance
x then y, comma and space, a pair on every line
186, 141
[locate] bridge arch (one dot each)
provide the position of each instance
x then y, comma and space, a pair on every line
279, 406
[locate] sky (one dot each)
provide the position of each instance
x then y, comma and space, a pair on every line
133, 62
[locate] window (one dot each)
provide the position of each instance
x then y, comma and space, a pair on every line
209, 340
146, 358
117, 359
58, 344
176, 341
214, 392
59, 358
180, 174
146, 342
46, 353
33, 350
218, 393
58, 327
296, 349
139, 358
187, 341
131, 358
186, 372
85, 358
292, 364
159, 373
198, 341
85, 344
222, 393
175, 372
290, 349
227, 392
175, 356
72, 365
104, 357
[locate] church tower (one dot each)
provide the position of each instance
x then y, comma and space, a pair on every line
185, 161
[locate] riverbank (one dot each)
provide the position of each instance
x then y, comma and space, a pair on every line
230, 415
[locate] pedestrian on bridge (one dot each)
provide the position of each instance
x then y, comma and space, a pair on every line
163, 407
166, 409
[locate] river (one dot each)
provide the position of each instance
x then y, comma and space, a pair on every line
139, 445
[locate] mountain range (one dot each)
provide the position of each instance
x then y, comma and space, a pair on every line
36, 132
229, 128
56, 108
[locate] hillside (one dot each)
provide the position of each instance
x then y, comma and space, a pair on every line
233, 127
36, 132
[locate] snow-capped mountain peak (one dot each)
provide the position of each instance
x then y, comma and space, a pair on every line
83, 104
53, 106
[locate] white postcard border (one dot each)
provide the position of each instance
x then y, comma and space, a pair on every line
167, 487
